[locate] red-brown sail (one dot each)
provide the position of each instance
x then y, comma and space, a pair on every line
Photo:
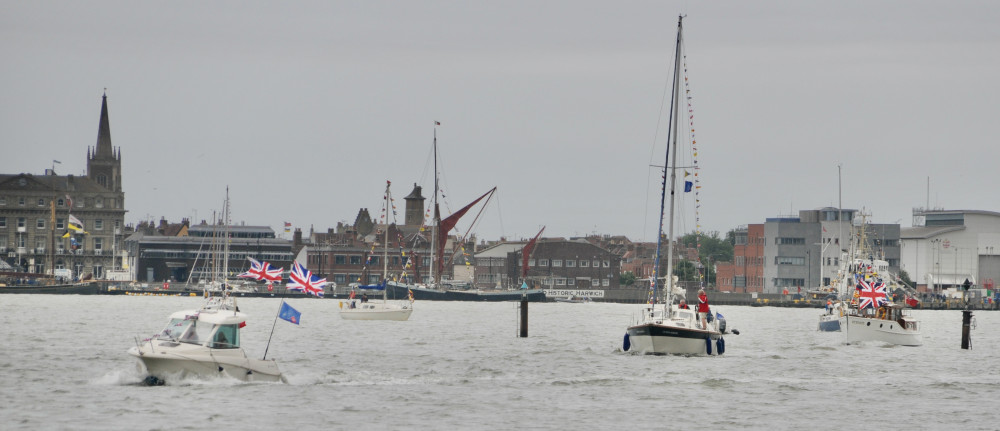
526, 253
447, 225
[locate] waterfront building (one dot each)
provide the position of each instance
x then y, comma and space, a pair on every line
944, 248
184, 253
745, 274
554, 263
804, 252
36, 235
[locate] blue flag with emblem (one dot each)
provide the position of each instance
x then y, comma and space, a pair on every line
290, 314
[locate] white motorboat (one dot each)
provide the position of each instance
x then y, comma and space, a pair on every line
357, 309
867, 312
204, 343
662, 327
889, 324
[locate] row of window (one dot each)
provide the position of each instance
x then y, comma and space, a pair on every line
558, 263
97, 224
748, 260
80, 203
233, 255
42, 241
741, 281
789, 282
785, 260
789, 241
745, 240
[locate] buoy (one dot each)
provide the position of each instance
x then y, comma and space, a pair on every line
626, 344
720, 345
708, 345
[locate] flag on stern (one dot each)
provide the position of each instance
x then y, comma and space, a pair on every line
303, 280
288, 313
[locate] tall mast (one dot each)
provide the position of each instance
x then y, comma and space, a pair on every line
672, 133
385, 245
225, 247
437, 212
840, 212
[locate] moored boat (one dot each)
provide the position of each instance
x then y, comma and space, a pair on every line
384, 309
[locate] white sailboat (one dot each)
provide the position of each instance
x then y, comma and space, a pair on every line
356, 309
205, 342
662, 328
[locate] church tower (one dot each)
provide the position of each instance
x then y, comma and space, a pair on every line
415, 207
104, 162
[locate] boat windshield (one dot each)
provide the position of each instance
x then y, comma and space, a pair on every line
187, 331
175, 329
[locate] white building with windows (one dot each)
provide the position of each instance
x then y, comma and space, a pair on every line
946, 247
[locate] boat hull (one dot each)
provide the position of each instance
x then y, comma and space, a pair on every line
88, 288
168, 359
369, 311
860, 329
423, 294
659, 339
829, 323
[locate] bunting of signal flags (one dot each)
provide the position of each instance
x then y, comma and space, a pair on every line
696, 184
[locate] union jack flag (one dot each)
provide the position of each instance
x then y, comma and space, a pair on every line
871, 293
262, 271
303, 280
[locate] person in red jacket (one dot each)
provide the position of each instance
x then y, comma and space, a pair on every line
703, 308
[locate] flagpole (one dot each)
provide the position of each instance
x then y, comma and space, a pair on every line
268, 345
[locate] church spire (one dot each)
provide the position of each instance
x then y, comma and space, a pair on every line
104, 149
104, 164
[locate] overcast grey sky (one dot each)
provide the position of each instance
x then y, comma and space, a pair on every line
304, 109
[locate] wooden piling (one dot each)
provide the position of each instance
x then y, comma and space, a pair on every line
524, 317
966, 323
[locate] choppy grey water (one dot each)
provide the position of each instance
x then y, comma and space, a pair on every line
457, 365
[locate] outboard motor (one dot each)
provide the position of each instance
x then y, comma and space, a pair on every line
722, 323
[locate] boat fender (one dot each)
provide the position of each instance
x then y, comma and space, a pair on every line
220, 368
708, 345
626, 344
720, 345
